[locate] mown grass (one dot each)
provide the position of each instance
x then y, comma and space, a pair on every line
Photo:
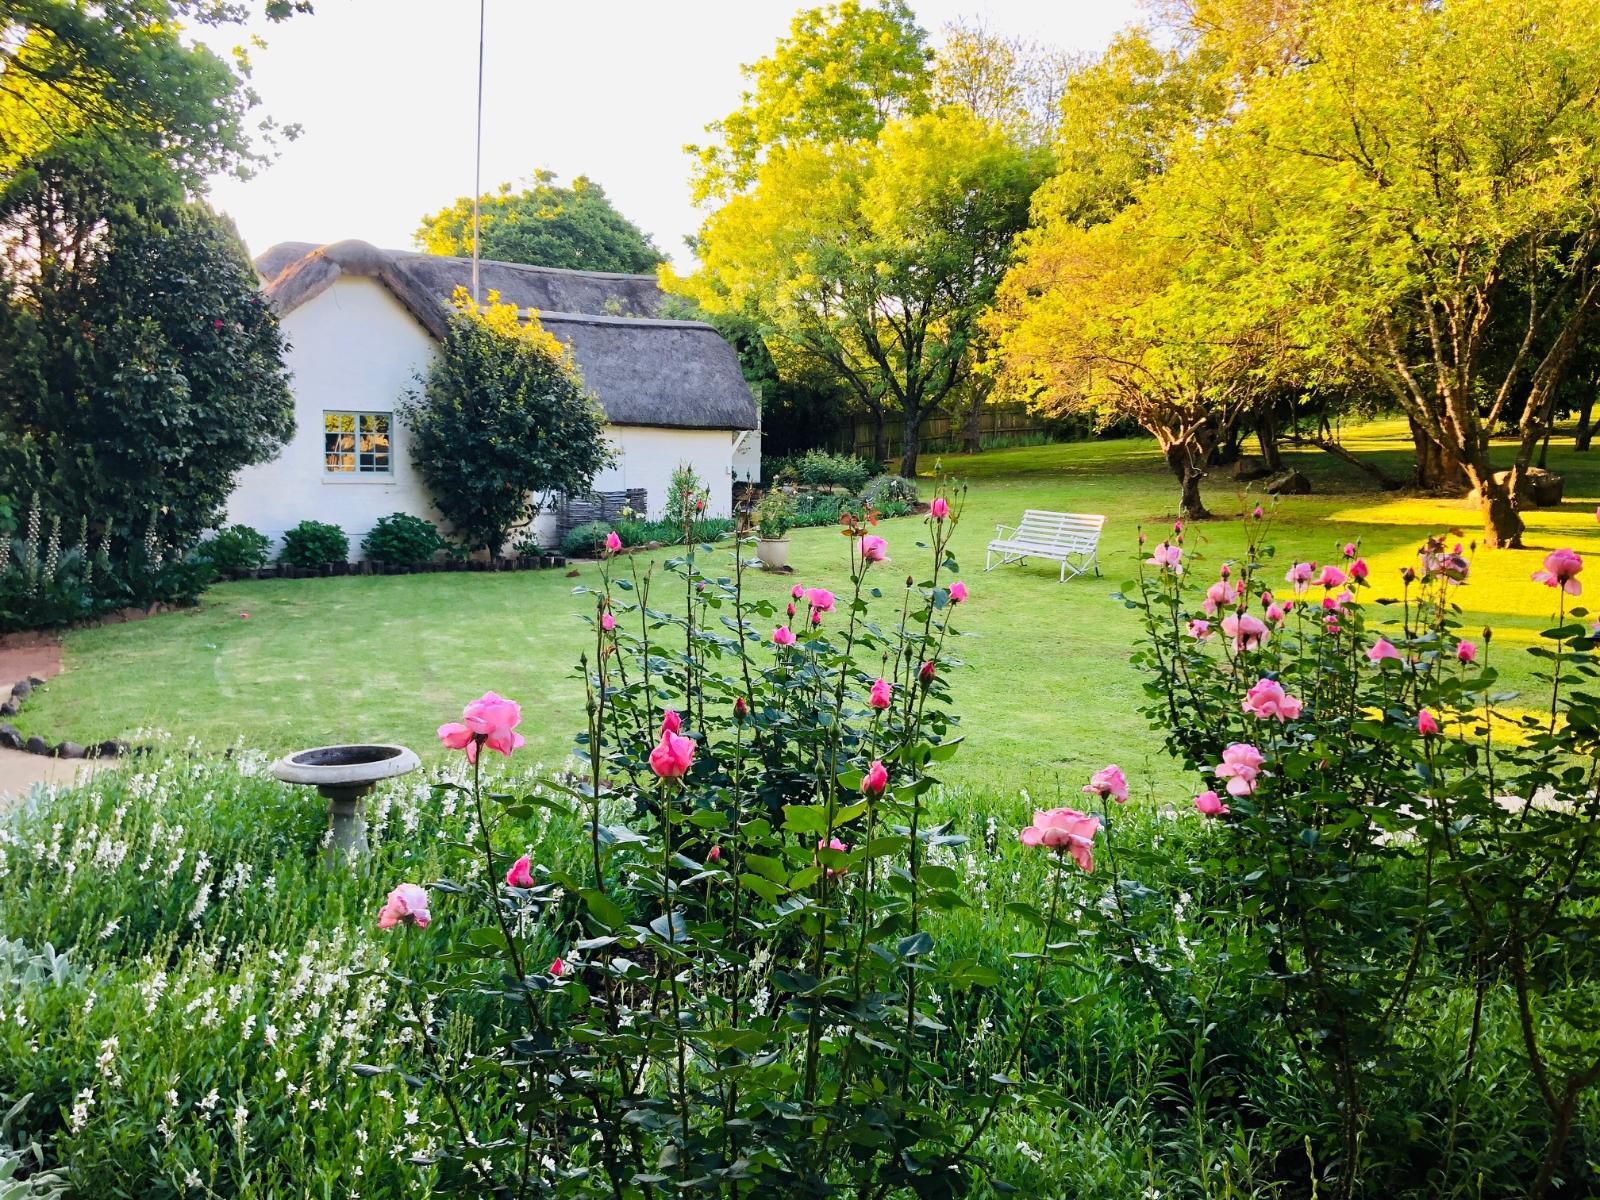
1047, 694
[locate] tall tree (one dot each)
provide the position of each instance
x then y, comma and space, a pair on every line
875, 258
1437, 168
114, 87
1014, 82
546, 225
843, 73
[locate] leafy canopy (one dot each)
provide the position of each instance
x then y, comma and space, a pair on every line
844, 72
874, 258
145, 382
501, 422
545, 225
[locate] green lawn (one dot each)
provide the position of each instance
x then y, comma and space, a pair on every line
1047, 694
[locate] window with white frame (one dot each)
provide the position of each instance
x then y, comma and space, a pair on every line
356, 443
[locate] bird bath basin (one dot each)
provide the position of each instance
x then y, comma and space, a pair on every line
345, 774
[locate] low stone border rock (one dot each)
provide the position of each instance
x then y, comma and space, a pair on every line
11, 737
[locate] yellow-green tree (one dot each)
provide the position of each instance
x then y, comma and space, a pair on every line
874, 258
1437, 172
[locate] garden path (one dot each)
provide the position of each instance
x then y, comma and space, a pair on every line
20, 658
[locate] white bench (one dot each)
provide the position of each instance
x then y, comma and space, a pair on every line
1068, 538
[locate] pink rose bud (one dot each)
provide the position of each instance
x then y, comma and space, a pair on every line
672, 756
925, 674
521, 874
1427, 724
875, 781
558, 967
816, 616
607, 622
1257, 514
671, 722
940, 508
791, 608
841, 847
881, 696
740, 709
715, 854
783, 636
958, 592
613, 542
1208, 803
1466, 651
797, 591
407, 903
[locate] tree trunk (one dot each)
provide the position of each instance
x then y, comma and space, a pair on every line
1439, 467
880, 437
1182, 462
1267, 435
973, 434
1502, 524
1585, 426
910, 445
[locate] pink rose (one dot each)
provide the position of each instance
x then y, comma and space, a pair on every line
1268, 701
607, 621
881, 696
1427, 723
1358, 570
1382, 649
1331, 577
1299, 576
1218, 596
715, 855
875, 780
797, 591
1466, 651
672, 756
1166, 556
874, 549
940, 508
740, 708
820, 599
1199, 630
1349, 549
408, 902
1064, 829
1257, 514
613, 542
521, 874
1275, 613
1561, 568
1209, 804
925, 674
783, 636
1247, 632
958, 592
1241, 764
490, 721
1108, 781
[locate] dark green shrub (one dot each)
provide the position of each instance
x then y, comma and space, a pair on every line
313, 543
884, 488
402, 538
236, 550
585, 541
824, 469
818, 509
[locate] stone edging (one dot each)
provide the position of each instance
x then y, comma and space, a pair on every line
12, 739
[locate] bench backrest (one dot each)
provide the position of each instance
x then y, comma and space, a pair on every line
1059, 529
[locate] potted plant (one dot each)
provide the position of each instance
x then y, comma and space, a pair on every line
774, 516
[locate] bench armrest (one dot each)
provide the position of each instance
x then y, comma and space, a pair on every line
1000, 529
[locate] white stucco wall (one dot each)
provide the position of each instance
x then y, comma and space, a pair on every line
647, 456
356, 348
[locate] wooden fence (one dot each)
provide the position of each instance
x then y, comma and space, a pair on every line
943, 434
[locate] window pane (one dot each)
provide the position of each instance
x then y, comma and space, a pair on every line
356, 442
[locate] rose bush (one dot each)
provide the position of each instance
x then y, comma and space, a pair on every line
1394, 824
745, 997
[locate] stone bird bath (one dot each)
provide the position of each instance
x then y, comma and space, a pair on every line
345, 774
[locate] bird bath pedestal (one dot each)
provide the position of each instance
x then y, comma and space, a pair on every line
345, 774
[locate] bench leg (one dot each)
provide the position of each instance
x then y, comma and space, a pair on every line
1063, 577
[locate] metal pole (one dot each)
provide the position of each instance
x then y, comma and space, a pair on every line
477, 164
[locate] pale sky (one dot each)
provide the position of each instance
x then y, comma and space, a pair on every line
385, 91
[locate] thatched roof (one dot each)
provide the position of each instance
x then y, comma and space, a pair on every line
645, 370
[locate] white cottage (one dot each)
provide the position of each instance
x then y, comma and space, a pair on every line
362, 323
